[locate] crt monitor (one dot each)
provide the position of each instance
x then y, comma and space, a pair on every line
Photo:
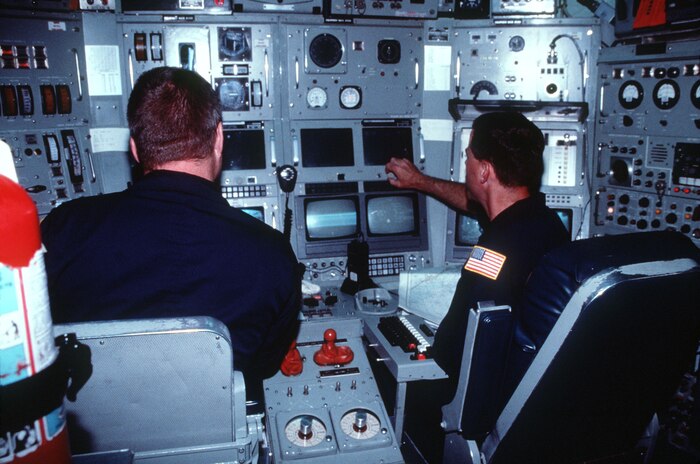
394, 222
567, 217
326, 147
467, 230
381, 143
331, 218
243, 149
392, 215
258, 212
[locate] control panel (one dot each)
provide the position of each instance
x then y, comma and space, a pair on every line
404, 343
236, 57
44, 110
647, 162
329, 407
347, 71
547, 62
409, 9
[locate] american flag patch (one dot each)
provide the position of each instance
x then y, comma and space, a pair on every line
485, 262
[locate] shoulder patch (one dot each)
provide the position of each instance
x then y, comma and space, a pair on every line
485, 262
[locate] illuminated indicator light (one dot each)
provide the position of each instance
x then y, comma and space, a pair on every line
658, 211
676, 189
687, 216
53, 154
64, 100
140, 51
611, 210
686, 190
26, 106
23, 62
9, 100
7, 51
48, 99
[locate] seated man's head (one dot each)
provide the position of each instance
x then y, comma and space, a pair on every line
513, 145
174, 117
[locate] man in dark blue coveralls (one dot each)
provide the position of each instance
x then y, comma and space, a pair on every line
170, 245
504, 169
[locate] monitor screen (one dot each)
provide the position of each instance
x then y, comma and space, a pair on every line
381, 143
468, 230
331, 218
566, 216
391, 215
244, 149
322, 148
258, 212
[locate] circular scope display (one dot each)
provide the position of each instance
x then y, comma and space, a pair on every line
325, 50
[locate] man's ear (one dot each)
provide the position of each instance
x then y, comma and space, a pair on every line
134, 152
485, 171
219, 140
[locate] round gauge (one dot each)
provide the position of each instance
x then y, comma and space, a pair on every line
389, 51
360, 424
516, 43
666, 94
325, 50
695, 95
233, 95
630, 95
305, 431
350, 97
316, 97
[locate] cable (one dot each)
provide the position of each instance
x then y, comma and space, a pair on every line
582, 60
288, 215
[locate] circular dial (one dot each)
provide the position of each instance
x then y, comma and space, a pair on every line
350, 97
325, 50
360, 424
516, 43
316, 97
631, 95
695, 95
305, 431
666, 94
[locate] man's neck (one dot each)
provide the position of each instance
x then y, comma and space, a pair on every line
504, 198
199, 168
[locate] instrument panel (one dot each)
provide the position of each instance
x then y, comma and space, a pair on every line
329, 411
647, 164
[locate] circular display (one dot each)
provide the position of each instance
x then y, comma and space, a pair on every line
316, 97
389, 51
350, 97
695, 94
666, 94
233, 95
305, 431
631, 95
516, 43
360, 424
325, 50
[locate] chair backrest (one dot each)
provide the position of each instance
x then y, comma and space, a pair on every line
156, 384
628, 331
481, 373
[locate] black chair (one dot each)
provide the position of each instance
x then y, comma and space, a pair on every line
599, 344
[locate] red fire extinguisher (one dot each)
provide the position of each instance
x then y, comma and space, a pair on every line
32, 380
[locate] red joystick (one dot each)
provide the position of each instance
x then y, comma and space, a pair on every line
330, 354
292, 363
